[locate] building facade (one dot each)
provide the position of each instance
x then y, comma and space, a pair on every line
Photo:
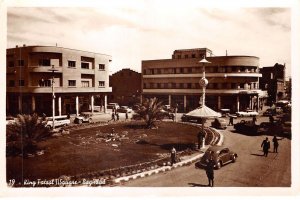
273, 81
233, 80
126, 87
81, 80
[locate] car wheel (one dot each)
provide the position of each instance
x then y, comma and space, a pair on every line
80, 121
90, 120
233, 159
49, 127
219, 165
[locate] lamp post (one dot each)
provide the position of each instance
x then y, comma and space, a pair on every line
203, 83
53, 95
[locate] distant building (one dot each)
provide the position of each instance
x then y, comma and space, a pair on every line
233, 80
126, 87
273, 81
80, 82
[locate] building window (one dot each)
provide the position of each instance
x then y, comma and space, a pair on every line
101, 67
11, 83
72, 83
71, 63
179, 56
21, 83
101, 83
193, 56
20, 63
85, 65
186, 56
11, 63
85, 84
45, 83
44, 62
189, 86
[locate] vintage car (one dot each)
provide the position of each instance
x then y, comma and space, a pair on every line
221, 155
219, 123
186, 118
58, 121
83, 118
124, 109
269, 112
113, 105
246, 127
287, 128
247, 113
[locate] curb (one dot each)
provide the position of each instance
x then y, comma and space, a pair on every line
158, 170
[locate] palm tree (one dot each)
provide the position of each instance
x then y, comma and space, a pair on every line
23, 135
150, 111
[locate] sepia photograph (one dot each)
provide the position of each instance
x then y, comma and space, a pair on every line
150, 95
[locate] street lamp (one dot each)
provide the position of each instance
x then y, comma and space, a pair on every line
203, 81
53, 95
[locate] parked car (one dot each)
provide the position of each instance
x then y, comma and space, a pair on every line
124, 109
186, 118
221, 155
274, 128
269, 112
113, 105
225, 112
83, 118
219, 123
58, 121
247, 113
246, 127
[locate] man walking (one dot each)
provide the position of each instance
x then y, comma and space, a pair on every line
275, 144
230, 120
210, 172
173, 156
266, 146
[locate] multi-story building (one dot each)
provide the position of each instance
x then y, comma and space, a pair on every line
81, 80
233, 80
273, 81
126, 87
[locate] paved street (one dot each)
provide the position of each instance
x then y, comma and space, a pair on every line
251, 169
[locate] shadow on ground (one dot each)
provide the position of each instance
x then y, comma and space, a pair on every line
197, 185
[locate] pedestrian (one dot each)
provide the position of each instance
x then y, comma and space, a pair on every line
126, 116
230, 120
271, 119
275, 144
254, 119
173, 156
44, 117
200, 139
118, 117
210, 171
266, 146
113, 116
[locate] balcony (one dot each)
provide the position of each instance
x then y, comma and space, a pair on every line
199, 75
44, 69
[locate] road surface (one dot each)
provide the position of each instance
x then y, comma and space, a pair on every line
252, 169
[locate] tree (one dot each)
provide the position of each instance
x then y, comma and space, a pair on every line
23, 135
151, 111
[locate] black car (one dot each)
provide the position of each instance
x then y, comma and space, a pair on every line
246, 127
186, 118
269, 112
221, 155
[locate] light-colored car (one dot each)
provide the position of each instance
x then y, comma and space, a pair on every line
113, 105
219, 123
247, 113
58, 121
83, 118
124, 109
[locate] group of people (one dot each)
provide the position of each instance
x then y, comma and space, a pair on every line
115, 115
266, 145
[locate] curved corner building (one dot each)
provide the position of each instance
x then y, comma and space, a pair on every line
233, 81
80, 80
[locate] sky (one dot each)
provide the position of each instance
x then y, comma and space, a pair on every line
149, 30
